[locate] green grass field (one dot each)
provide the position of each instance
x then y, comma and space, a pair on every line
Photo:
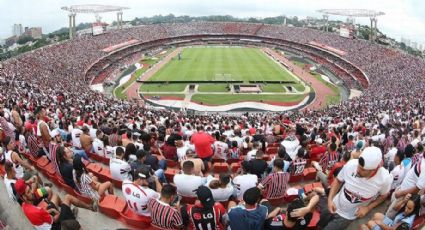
208, 63
224, 64
211, 99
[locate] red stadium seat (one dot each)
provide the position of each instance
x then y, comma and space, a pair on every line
104, 174
314, 220
94, 168
105, 160
41, 163
112, 206
234, 167
272, 150
220, 167
169, 174
217, 160
295, 178
2, 171
310, 173
231, 161
50, 171
135, 220
172, 164
308, 188
317, 185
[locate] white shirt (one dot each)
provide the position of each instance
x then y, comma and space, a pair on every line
75, 134
18, 168
120, 170
243, 183
8, 183
220, 149
221, 194
412, 179
40, 122
291, 147
389, 157
187, 183
251, 154
181, 153
137, 197
396, 173
99, 147
360, 190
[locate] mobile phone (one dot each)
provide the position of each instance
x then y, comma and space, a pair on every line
176, 200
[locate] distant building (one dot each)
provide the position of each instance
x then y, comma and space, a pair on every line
17, 30
414, 45
12, 40
34, 32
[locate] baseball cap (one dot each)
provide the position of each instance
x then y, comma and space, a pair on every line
54, 133
359, 145
20, 187
142, 173
319, 141
371, 158
205, 196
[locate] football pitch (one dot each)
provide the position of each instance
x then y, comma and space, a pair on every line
222, 63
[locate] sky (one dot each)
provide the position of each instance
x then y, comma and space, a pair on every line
403, 18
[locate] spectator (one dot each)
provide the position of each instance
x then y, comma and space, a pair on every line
205, 213
137, 193
120, 169
360, 182
187, 182
87, 184
165, 210
65, 158
407, 209
199, 166
221, 189
141, 156
276, 183
203, 142
13, 157
98, 145
258, 165
244, 179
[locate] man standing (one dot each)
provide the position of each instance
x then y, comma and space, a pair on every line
363, 184
203, 142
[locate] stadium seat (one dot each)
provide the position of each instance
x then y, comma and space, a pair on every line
172, 164
231, 161
94, 168
2, 171
50, 171
272, 150
308, 188
310, 173
105, 160
314, 220
220, 167
217, 160
317, 185
95, 157
234, 167
41, 163
295, 178
104, 174
169, 174
112, 206
135, 220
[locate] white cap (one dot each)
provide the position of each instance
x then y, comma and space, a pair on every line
372, 157
54, 133
319, 141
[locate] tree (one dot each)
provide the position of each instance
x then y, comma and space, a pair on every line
24, 39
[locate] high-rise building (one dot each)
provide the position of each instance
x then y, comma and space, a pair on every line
17, 30
34, 32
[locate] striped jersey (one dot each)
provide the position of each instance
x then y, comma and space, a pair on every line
298, 166
163, 215
52, 155
328, 160
275, 184
33, 145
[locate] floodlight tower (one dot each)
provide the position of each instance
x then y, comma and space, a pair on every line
92, 9
354, 13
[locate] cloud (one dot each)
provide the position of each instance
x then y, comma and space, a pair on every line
403, 17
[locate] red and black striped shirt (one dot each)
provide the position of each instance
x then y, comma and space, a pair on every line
163, 215
275, 184
32, 145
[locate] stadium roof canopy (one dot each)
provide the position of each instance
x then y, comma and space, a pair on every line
92, 8
352, 12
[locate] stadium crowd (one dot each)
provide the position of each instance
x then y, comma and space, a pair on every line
363, 151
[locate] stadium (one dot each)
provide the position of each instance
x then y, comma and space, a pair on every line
279, 95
